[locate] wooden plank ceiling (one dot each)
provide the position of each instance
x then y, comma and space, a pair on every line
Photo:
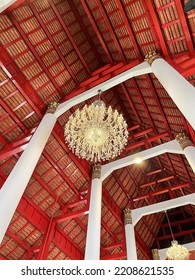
52, 50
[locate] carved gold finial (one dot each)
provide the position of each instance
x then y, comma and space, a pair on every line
51, 108
183, 140
127, 216
96, 173
151, 56
155, 254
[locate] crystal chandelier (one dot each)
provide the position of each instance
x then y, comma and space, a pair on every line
176, 251
96, 133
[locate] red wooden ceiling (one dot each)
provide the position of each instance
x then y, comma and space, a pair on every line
52, 50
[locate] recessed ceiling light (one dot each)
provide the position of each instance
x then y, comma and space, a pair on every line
138, 160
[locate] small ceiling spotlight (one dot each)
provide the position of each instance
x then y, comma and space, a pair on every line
138, 160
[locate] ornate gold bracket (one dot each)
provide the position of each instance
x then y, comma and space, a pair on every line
127, 216
151, 56
96, 173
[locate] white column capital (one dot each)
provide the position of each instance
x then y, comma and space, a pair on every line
151, 56
96, 171
51, 108
183, 140
155, 254
127, 216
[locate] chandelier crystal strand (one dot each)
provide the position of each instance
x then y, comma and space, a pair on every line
176, 251
96, 133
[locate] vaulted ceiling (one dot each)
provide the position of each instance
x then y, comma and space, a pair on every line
53, 50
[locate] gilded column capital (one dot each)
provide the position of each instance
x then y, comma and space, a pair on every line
151, 56
127, 216
155, 254
96, 171
183, 140
51, 108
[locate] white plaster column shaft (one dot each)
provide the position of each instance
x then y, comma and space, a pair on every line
130, 236
14, 187
188, 148
178, 88
92, 250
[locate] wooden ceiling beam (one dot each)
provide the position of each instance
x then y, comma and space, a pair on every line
100, 76
55, 46
159, 34
23, 86
48, 189
146, 142
160, 191
157, 99
18, 240
84, 30
143, 103
183, 233
110, 29
61, 172
17, 146
82, 164
72, 214
157, 181
128, 97
13, 115
117, 256
129, 29
96, 30
114, 208
55, 10
180, 11
40, 220
35, 53
67, 245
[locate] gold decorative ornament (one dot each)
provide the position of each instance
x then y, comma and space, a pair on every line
155, 254
96, 173
51, 108
151, 56
127, 216
183, 139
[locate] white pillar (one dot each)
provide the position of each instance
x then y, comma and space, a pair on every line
188, 148
92, 250
130, 236
178, 88
14, 187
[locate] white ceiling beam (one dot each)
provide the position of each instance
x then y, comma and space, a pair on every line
4, 4
169, 147
138, 213
141, 69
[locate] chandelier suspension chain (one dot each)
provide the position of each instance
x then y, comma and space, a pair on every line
169, 224
176, 251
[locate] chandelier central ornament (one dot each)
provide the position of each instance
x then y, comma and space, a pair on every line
96, 133
96, 136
